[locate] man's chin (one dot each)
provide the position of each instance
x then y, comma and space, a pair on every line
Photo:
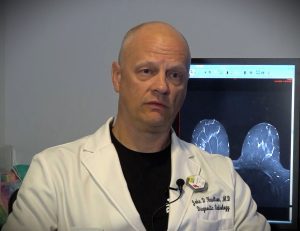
158, 122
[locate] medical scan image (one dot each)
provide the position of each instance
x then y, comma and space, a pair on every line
210, 135
259, 159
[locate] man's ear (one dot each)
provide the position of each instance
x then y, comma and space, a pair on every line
116, 75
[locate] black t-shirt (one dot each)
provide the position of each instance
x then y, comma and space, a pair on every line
148, 178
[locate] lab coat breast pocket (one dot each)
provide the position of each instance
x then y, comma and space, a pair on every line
216, 225
85, 229
213, 212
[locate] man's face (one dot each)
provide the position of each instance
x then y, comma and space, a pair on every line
152, 80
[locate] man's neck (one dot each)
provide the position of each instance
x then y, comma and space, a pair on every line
141, 140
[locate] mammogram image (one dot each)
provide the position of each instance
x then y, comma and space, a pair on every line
259, 162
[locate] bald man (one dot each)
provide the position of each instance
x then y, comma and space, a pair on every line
134, 173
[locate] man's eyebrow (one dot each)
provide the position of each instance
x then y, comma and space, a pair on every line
178, 68
146, 63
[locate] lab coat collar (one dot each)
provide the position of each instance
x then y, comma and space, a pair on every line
101, 159
99, 156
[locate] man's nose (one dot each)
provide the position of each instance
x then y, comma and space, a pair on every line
161, 84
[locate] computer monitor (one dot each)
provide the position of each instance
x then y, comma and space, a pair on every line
248, 109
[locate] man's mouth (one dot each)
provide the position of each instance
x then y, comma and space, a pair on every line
156, 104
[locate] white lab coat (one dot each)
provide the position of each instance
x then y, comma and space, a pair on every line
80, 186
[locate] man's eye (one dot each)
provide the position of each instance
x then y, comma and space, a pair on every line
175, 76
146, 71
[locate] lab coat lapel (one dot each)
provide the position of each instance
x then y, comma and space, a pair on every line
183, 165
104, 166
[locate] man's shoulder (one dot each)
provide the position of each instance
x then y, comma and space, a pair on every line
200, 153
214, 167
215, 160
66, 150
72, 149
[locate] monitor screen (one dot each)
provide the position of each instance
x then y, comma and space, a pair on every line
248, 109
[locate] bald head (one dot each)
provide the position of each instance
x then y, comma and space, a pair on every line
152, 30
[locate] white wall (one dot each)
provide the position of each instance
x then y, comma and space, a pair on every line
58, 55
2, 73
